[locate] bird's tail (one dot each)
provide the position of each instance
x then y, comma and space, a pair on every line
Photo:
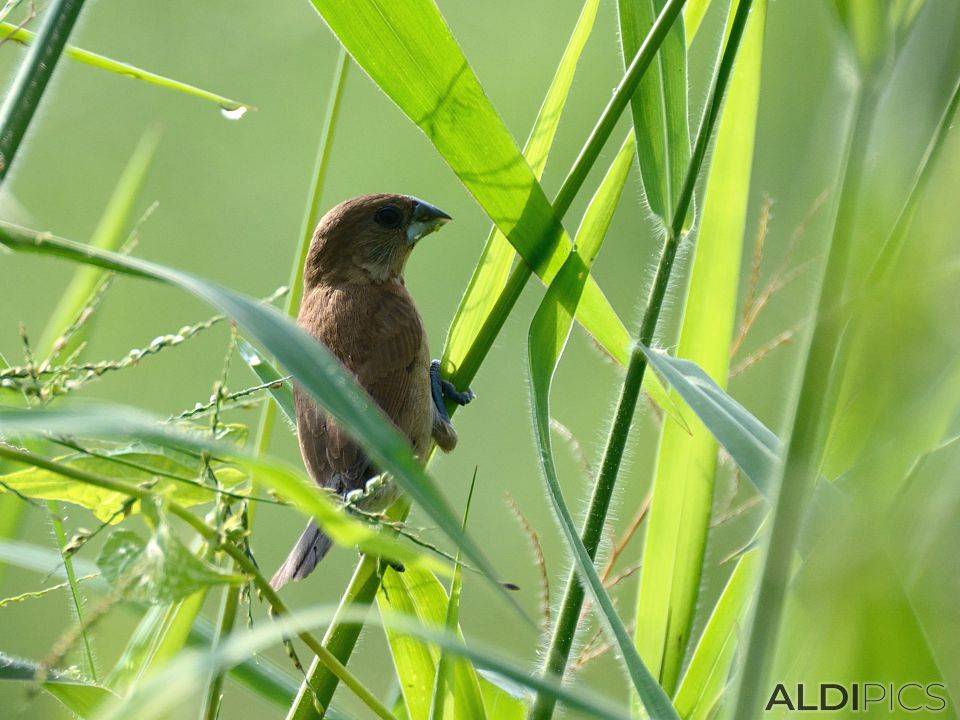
309, 550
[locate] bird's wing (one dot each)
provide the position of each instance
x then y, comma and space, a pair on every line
386, 354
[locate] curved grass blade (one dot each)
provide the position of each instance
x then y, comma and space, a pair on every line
310, 363
692, 17
410, 53
493, 268
82, 698
25, 37
748, 441
118, 421
683, 485
171, 687
659, 106
709, 670
547, 337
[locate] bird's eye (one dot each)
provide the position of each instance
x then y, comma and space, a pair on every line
388, 216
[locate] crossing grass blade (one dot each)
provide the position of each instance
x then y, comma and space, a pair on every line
686, 464
547, 337
25, 37
310, 363
410, 53
498, 255
170, 688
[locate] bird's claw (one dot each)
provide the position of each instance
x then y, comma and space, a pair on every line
442, 390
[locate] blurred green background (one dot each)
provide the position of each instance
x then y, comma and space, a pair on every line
231, 196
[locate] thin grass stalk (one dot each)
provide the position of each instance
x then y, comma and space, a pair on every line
568, 618
53, 509
341, 639
805, 450
228, 616
295, 284
32, 78
212, 536
571, 186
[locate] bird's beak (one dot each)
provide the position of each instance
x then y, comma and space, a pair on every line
425, 219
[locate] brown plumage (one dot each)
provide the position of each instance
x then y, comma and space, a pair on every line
356, 303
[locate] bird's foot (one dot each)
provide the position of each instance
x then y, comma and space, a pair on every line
442, 390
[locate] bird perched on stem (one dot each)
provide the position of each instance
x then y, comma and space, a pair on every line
355, 302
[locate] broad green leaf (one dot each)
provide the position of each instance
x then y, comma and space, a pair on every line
410, 53
748, 441
166, 692
117, 421
130, 466
498, 255
24, 36
317, 371
659, 106
420, 595
547, 337
109, 234
868, 26
709, 670
156, 571
82, 698
687, 455
268, 374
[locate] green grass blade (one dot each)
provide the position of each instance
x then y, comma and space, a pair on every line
687, 455
118, 421
659, 106
170, 688
709, 669
281, 392
109, 235
750, 443
82, 698
24, 36
547, 337
30, 82
408, 50
420, 597
260, 674
309, 362
498, 255
457, 691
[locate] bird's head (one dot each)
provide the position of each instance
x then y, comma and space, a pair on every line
369, 238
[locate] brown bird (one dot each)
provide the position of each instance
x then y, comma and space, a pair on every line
355, 302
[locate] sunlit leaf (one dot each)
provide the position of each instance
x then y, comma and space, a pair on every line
683, 485
130, 466
490, 274
408, 50
420, 595
281, 391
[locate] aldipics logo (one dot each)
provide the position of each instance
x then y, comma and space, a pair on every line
859, 697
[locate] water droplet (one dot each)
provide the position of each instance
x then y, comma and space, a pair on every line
233, 113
